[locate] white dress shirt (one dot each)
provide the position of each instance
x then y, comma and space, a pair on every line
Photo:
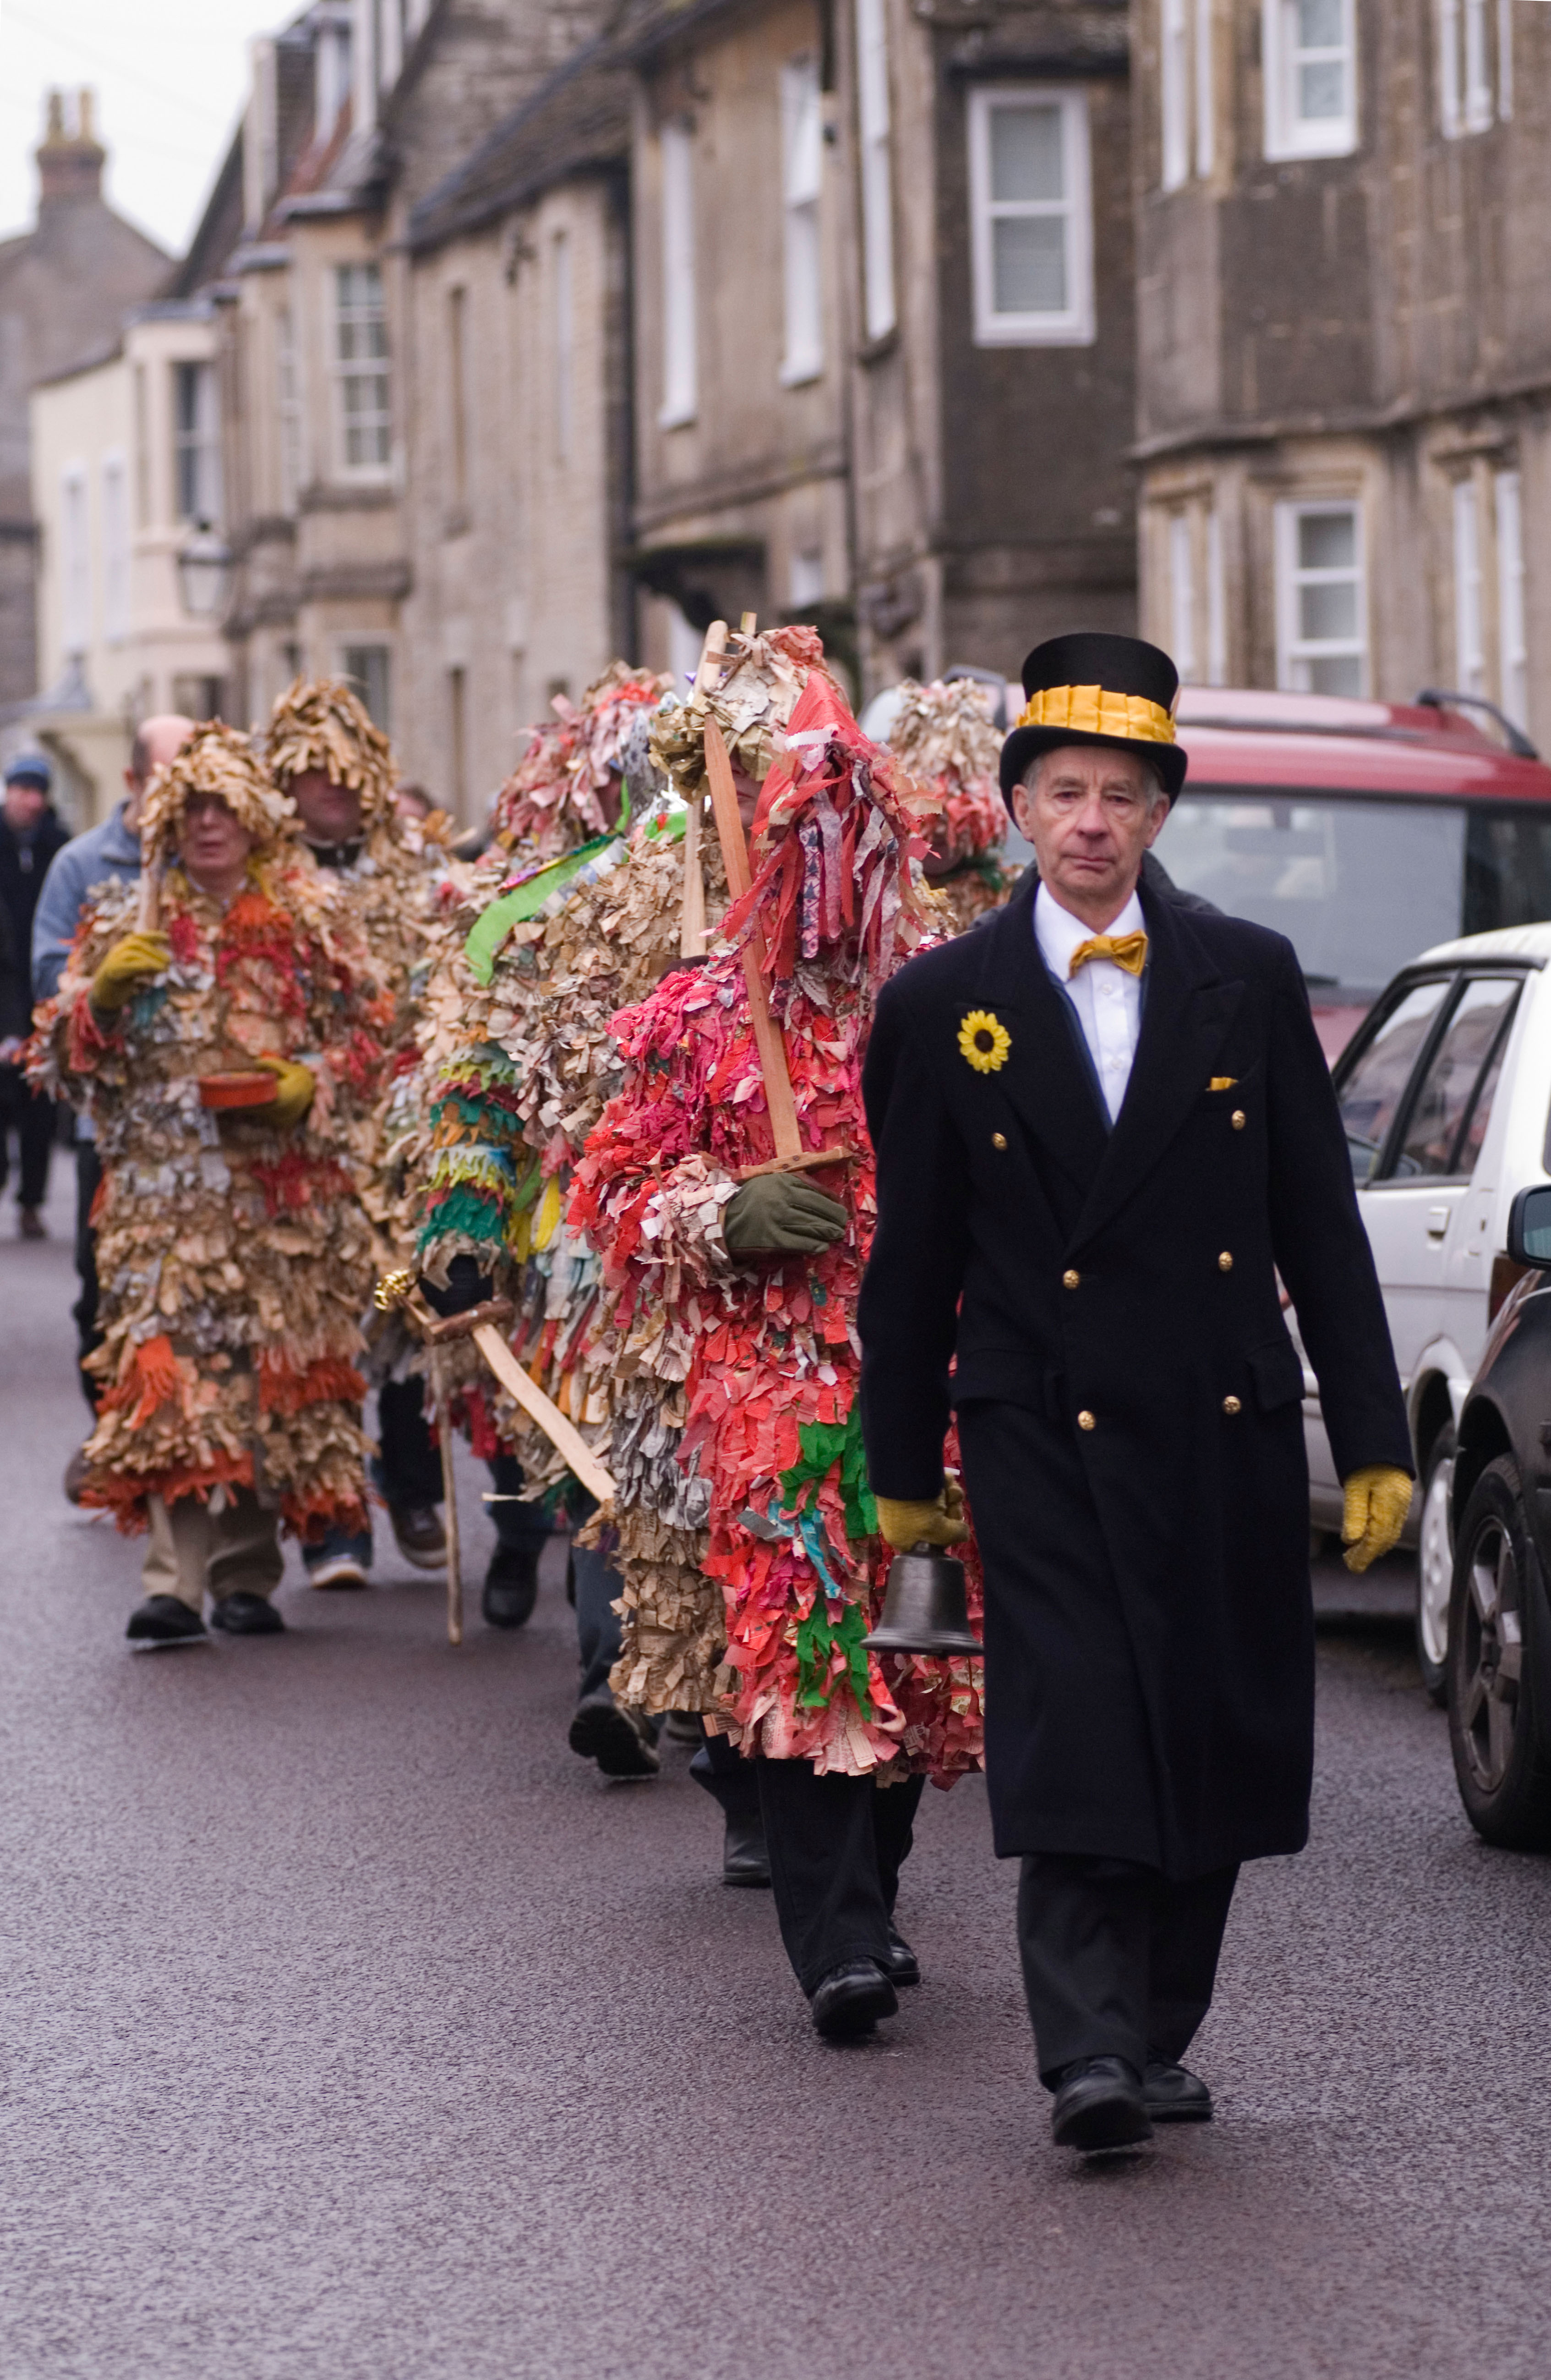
1107, 999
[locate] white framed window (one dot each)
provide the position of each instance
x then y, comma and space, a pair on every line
1513, 686
563, 307
1322, 602
680, 375
1174, 82
116, 549
878, 307
1475, 88
1470, 628
801, 182
288, 390
1205, 92
1032, 229
196, 442
1309, 51
368, 670
360, 369
1181, 597
807, 577
75, 560
1217, 602
331, 76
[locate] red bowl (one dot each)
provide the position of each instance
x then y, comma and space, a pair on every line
236, 1090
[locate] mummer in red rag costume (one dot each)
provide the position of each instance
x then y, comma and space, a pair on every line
748, 1287
224, 1057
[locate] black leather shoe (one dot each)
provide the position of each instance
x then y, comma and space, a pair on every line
162, 1620
901, 1966
511, 1586
1172, 2095
745, 1858
849, 2002
247, 1615
618, 1738
1099, 2106
419, 1535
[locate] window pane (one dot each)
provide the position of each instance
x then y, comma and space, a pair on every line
1480, 1114
1322, 92
1508, 868
1357, 887
1029, 264
1319, 25
1327, 540
1375, 1086
1026, 155
1325, 614
1338, 674
1445, 1097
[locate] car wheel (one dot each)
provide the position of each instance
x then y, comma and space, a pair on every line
1434, 1566
1502, 1769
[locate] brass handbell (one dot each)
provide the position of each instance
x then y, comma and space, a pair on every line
925, 1609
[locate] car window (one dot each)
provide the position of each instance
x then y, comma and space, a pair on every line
1446, 1106
1372, 1090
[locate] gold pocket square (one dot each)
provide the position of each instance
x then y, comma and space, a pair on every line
1222, 1082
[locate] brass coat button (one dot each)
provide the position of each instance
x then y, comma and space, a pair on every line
1070, 1279
1238, 1119
1232, 1405
998, 1140
1085, 1420
1225, 1262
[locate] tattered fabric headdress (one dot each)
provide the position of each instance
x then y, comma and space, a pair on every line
215, 759
755, 695
320, 724
553, 800
945, 738
838, 825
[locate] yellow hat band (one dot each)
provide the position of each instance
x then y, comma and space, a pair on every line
1093, 710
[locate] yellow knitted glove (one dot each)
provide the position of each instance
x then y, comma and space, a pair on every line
128, 962
941, 1521
1378, 1498
294, 1087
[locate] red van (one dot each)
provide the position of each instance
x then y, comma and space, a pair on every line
1365, 832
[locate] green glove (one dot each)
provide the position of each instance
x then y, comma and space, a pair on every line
130, 963
294, 1087
784, 1212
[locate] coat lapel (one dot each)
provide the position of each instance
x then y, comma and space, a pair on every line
1043, 1076
1187, 1012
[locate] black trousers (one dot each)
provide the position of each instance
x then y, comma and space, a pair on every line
409, 1468
732, 1782
89, 1177
31, 1117
836, 1846
1119, 1961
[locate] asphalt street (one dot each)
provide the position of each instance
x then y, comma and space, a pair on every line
352, 2026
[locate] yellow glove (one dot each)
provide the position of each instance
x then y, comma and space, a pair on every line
941, 1521
128, 962
1378, 1498
294, 1087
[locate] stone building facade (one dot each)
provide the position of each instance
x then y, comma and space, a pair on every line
1344, 404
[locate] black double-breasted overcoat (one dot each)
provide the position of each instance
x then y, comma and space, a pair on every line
1100, 1307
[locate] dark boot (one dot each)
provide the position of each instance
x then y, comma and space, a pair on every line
511, 1586
163, 1620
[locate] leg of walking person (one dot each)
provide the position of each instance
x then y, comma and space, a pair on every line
407, 1473
894, 1813
89, 1181
732, 1784
244, 1564
173, 1575
1186, 1939
522, 1531
35, 1123
830, 1897
620, 1738
1084, 1929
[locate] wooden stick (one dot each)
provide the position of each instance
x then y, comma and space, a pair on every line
767, 1038
443, 1399
563, 1435
148, 916
691, 915
711, 654
807, 1163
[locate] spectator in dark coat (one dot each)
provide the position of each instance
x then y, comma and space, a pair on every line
30, 833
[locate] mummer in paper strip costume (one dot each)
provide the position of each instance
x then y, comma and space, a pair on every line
945, 738
233, 1255
740, 1294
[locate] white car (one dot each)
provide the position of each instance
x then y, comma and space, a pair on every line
1444, 1092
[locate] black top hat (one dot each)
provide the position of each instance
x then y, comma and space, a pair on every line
1093, 688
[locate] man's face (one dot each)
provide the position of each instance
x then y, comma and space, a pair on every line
329, 813
211, 844
1090, 815
26, 801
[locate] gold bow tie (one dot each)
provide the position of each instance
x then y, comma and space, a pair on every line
1128, 951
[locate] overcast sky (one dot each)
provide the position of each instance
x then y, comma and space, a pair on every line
170, 77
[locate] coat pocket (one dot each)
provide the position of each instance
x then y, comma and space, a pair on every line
1278, 1375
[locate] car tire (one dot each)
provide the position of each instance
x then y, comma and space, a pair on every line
1497, 1730
1434, 1566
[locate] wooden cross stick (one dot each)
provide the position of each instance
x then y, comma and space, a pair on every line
480, 1325
148, 916
692, 917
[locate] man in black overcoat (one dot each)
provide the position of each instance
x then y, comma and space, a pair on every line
1104, 1125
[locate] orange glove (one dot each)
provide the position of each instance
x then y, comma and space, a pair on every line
1378, 1498
903, 1524
294, 1087
131, 961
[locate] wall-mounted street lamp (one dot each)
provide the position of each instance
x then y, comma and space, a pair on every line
204, 572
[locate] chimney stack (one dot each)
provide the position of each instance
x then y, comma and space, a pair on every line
70, 159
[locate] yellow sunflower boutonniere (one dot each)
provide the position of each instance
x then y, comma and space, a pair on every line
984, 1040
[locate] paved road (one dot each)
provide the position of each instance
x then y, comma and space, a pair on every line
351, 2027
